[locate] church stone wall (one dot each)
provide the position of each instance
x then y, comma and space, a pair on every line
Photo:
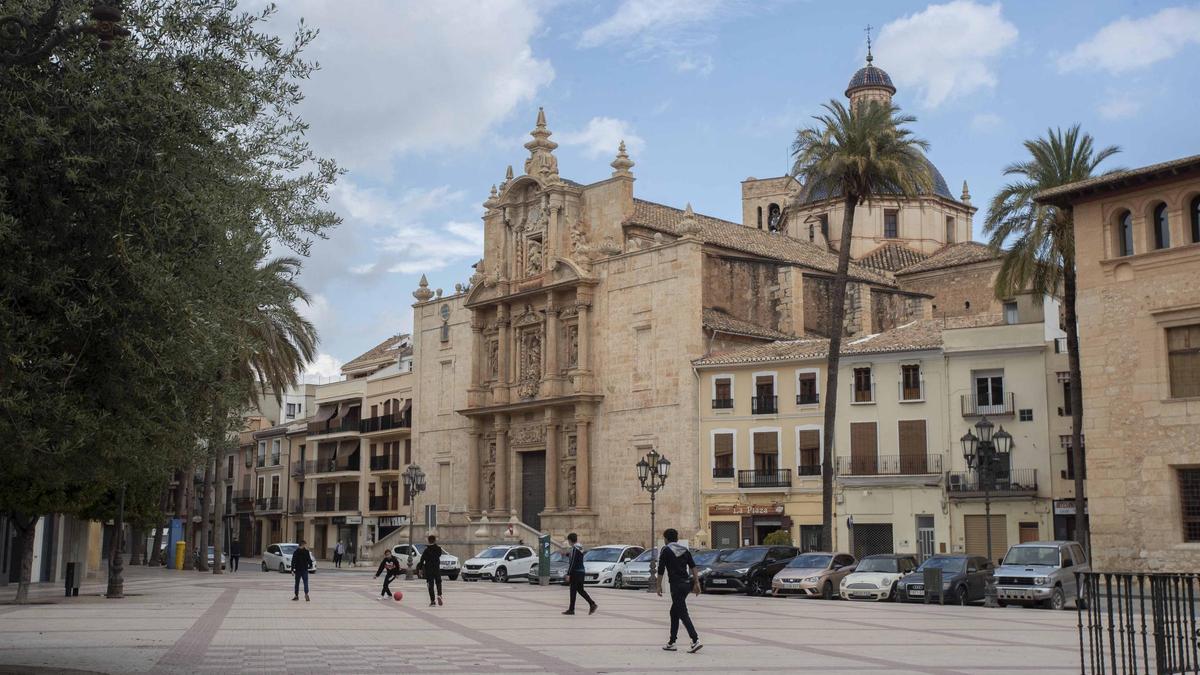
952, 288
742, 288
890, 310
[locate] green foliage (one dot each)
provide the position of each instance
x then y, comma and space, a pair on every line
140, 193
778, 538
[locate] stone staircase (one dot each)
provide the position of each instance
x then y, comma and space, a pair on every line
463, 536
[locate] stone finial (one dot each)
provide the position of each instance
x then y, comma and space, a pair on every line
622, 164
508, 177
492, 200
458, 288
542, 163
423, 294
437, 293
966, 195
689, 227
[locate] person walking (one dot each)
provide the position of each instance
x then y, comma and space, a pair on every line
575, 574
338, 552
676, 560
301, 560
235, 554
390, 568
431, 566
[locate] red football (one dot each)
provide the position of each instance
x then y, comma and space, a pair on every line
398, 595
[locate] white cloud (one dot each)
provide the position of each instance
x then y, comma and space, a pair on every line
1128, 44
414, 76
662, 28
986, 121
601, 137
1119, 107
324, 368
945, 51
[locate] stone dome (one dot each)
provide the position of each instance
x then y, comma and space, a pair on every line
870, 76
940, 188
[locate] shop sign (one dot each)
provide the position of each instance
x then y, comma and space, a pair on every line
1066, 507
354, 520
393, 521
338, 520
745, 510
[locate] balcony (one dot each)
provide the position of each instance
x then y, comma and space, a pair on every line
973, 407
808, 399
268, 504
334, 426
332, 465
890, 465
385, 463
764, 405
780, 478
386, 422
722, 404
384, 503
303, 505
808, 470
298, 469
244, 500
348, 502
723, 472
1013, 483
325, 503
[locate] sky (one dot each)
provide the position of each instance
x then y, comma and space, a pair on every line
425, 104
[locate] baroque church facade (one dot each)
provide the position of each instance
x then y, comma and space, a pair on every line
569, 354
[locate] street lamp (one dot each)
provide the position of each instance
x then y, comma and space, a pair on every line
414, 484
28, 40
983, 454
652, 471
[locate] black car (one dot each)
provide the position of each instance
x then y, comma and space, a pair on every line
558, 569
964, 579
747, 570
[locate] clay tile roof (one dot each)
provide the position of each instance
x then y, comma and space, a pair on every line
953, 255
890, 257
735, 237
715, 319
391, 349
913, 336
1117, 180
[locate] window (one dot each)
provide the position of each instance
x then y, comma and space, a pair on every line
913, 441
806, 388
275, 445
910, 382
293, 410
1162, 228
773, 217
262, 453
1010, 313
275, 486
1125, 234
989, 389
229, 467
760, 217
766, 451
1189, 495
1183, 360
723, 461
808, 449
824, 218
949, 229
722, 392
1194, 210
262, 483
864, 449
1065, 442
891, 223
764, 401
408, 451
1065, 410
863, 391
1025, 414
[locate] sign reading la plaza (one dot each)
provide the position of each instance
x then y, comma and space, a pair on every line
773, 509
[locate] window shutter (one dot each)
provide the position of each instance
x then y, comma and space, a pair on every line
864, 452
912, 446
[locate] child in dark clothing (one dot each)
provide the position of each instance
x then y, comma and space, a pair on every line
390, 568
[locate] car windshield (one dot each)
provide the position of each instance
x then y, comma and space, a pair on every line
743, 555
646, 556
558, 557
947, 564
602, 555
878, 565
810, 561
706, 557
494, 552
288, 549
1032, 555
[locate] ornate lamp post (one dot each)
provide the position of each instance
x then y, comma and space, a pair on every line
27, 40
414, 483
983, 454
652, 471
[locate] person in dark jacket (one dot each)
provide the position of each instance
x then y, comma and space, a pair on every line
235, 553
390, 568
301, 561
575, 574
676, 560
431, 566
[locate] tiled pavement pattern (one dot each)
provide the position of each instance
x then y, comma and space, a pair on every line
176, 622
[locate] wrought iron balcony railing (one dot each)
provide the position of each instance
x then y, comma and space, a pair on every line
765, 479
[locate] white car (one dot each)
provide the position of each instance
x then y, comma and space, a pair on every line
875, 577
605, 565
449, 563
279, 557
500, 563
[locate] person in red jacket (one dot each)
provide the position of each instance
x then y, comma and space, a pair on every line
390, 568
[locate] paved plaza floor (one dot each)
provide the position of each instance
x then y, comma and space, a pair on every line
175, 622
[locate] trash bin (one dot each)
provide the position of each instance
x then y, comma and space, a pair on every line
180, 554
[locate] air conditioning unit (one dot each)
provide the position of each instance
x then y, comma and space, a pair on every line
956, 482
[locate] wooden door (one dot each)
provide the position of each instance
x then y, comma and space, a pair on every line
912, 447
1028, 532
533, 488
864, 452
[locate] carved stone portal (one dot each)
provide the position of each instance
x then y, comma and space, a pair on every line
571, 487
493, 358
530, 434
491, 453
572, 447
491, 487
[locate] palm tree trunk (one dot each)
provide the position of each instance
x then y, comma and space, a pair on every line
26, 528
1082, 534
138, 542
837, 316
205, 522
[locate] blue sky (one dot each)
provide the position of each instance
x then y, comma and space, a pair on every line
425, 104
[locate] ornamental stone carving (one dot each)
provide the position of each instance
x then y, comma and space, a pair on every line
571, 487
491, 486
531, 364
527, 435
493, 358
572, 342
572, 446
533, 257
491, 458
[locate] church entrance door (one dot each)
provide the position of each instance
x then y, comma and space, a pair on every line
533, 488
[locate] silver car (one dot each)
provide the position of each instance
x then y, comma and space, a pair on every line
1041, 573
637, 571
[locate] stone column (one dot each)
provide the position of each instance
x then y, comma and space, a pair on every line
477, 358
551, 461
582, 462
585, 338
551, 377
500, 389
473, 469
501, 426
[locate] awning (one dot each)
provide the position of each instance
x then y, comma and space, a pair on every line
326, 411
407, 406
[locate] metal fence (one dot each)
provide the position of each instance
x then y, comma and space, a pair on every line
1138, 623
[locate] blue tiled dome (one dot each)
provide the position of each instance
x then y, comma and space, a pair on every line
870, 76
940, 188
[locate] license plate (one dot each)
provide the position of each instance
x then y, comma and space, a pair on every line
916, 591
719, 582
447, 564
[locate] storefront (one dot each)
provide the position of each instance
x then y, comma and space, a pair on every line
739, 524
1064, 518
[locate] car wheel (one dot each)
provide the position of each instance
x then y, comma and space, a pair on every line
827, 591
892, 595
1001, 603
501, 576
454, 576
962, 596
617, 583
1057, 599
264, 566
753, 588
282, 568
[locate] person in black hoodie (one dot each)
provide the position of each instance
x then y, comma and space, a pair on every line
676, 561
431, 567
390, 568
301, 561
235, 554
575, 574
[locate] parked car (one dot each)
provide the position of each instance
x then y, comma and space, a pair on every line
876, 576
637, 571
964, 579
449, 563
813, 574
212, 553
1042, 572
558, 568
704, 560
279, 557
500, 563
747, 570
605, 565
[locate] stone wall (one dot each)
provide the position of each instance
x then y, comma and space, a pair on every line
745, 289
890, 309
953, 287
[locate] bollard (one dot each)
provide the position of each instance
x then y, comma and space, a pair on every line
180, 554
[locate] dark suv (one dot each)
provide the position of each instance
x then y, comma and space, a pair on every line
964, 579
748, 570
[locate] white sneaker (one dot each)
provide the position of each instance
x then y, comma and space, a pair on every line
695, 647
670, 647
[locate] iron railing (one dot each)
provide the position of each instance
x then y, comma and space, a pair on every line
765, 479
722, 403
889, 465
332, 464
335, 426
764, 405
808, 399
1011, 482
385, 463
808, 470
383, 503
327, 503
973, 407
723, 472
1138, 623
298, 469
386, 422
303, 505
262, 461
268, 504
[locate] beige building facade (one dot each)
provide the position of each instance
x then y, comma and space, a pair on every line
1137, 239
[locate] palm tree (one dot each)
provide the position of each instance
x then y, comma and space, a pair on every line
272, 345
858, 154
1041, 256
